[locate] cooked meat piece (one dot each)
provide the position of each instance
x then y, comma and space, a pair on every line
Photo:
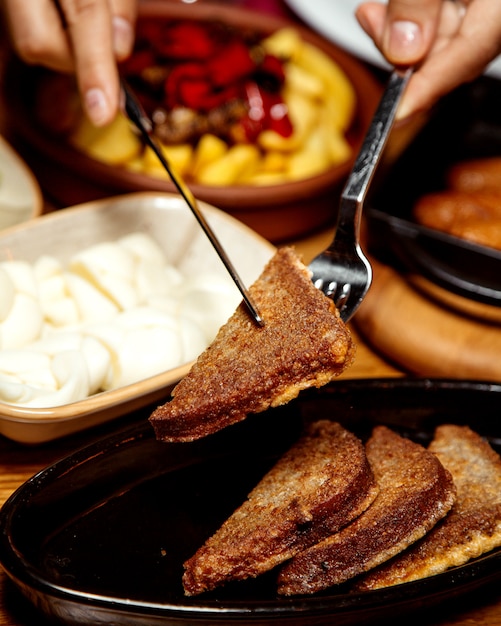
476, 175
475, 217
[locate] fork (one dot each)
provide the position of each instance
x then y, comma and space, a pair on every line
342, 271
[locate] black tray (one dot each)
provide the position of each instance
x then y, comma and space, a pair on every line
465, 125
100, 536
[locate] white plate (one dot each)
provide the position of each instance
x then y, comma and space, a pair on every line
167, 219
20, 194
335, 20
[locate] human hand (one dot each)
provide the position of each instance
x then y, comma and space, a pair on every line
448, 42
87, 38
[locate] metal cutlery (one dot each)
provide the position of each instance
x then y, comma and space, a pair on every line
342, 271
138, 117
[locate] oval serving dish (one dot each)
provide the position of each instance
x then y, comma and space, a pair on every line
100, 537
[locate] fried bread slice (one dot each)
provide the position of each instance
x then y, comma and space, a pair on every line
320, 484
415, 492
473, 525
248, 368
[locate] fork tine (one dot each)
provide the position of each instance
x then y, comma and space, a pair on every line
342, 271
342, 296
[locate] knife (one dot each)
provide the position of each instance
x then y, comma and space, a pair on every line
141, 121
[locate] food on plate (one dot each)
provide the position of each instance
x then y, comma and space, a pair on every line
319, 485
474, 216
470, 205
473, 526
432, 509
229, 106
415, 492
117, 312
248, 368
476, 175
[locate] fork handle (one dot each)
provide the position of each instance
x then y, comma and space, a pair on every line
376, 137
358, 181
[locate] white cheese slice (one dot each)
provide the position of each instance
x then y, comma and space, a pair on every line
23, 324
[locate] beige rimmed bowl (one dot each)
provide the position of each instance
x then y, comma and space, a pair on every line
167, 219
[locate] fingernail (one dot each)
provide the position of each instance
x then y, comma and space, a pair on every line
123, 37
404, 41
96, 106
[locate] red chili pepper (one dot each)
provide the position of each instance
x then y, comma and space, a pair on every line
179, 74
251, 128
273, 66
253, 122
266, 111
277, 114
186, 40
281, 124
231, 64
188, 85
139, 61
211, 66
149, 31
194, 93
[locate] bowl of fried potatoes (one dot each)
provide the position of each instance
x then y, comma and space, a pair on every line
261, 117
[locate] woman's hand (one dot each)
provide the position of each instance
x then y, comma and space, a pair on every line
87, 37
449, 42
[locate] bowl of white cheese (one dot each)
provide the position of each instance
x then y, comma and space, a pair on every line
104, 307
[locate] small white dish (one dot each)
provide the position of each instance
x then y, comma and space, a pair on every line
20, 194
166, 218
337, 22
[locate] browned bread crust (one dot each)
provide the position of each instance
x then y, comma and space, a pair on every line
319, 485
248, 369
473, 526
415, 491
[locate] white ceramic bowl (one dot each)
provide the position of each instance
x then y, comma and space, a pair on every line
20, 194
167, 219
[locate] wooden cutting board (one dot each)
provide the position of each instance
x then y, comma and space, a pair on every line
424, 335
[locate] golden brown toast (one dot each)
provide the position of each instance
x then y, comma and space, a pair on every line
248, 368
319, 485
473, 526
415, 492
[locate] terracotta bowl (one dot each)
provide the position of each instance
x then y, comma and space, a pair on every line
278, 212
165, 218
